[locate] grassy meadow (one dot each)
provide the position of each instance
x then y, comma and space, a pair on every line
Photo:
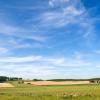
65, 92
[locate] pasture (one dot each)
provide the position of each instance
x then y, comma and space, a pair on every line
56, 92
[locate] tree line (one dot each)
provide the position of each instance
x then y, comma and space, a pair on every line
4, 79
92, 80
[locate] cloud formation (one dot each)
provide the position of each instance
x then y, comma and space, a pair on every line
49, 38
40, 66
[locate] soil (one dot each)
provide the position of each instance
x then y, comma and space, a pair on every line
4, 85
57, 83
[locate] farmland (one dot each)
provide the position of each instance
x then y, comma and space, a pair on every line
57, 83
53, 92
3, 85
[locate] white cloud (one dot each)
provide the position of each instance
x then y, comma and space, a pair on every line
22, 46
42, 67
64, 62
22, 7
97, 51
27, 70
39, 38
3, 50
53, 3
71, 11
7, 29
19, 59
60, 13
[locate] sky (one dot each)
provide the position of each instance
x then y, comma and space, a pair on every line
50, 39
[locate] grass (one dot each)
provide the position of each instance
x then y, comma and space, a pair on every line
65, 92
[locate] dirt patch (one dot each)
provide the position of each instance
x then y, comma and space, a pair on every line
58, 83
4, 85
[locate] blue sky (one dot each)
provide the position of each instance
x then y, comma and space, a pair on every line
50, 38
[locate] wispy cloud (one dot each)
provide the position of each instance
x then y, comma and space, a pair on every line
41, 67
7, 29
18, 37
3, 50
46, 38
64, 62
97, 52
20, 59
25, 8
67, 13
57, 2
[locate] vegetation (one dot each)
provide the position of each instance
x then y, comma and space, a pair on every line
93, 80
4, 79
37, 80
65, 92
68, 80
23, 91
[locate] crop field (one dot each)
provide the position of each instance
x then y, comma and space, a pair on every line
3, 85
56, 92
57, 83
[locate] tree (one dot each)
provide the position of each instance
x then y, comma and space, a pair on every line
3, 78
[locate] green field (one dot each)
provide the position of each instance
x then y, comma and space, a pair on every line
68, 92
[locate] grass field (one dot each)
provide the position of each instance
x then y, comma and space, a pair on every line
65, 92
